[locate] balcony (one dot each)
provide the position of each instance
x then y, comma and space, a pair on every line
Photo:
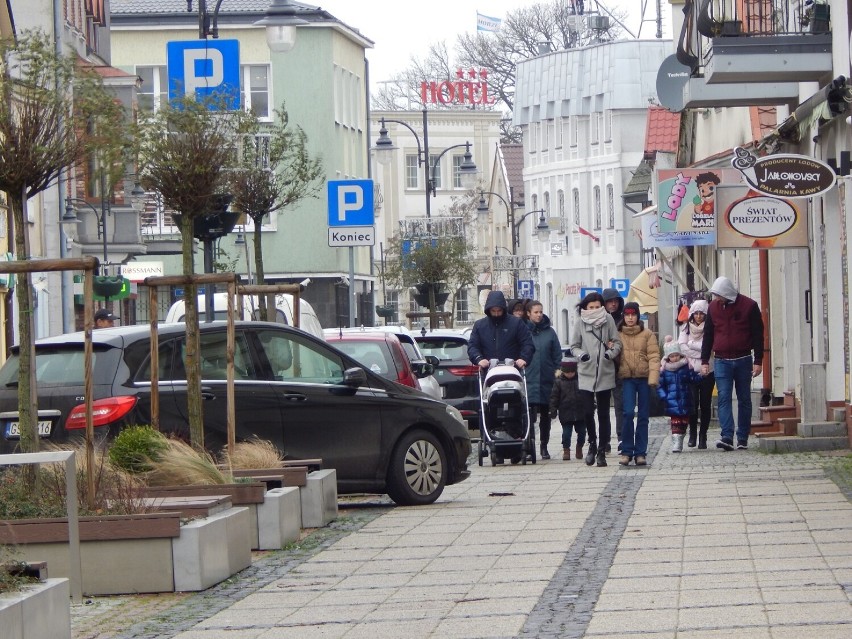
753, 42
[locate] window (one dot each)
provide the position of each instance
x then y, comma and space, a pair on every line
610, 207
411, 171
534, 201
575, 130
607, 126
213, 357
559, 132
457, 178
292, 357
533, 134
435, 171
547, 204
575, 194
597, 196
560, 202
392, 301
594, 128
546, 132
462, 306
154, 92
254, 94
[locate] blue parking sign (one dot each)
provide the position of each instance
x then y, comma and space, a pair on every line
350, 203
620, 285
205, 68
585, 290
526, 289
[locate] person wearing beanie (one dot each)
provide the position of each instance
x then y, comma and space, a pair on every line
565, 401
675, 380
540, 378
733, 333
690, 338
639, 372
614, 305
595, 342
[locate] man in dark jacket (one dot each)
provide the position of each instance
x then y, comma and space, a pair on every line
614, 305
733, 330
499, 335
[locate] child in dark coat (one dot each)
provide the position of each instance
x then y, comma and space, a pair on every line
565, 401
676, 379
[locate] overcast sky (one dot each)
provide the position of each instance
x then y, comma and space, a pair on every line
402, 29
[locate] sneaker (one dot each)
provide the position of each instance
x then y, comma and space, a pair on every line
624, 460
725, 444
640, 460
742, 445
566, 454
677, 443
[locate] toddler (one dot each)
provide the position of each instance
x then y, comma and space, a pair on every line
675, 390
566, 402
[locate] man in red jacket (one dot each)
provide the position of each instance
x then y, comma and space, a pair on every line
733, 331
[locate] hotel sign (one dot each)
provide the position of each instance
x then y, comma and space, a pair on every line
469, 87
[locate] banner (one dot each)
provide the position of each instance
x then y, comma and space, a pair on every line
750, 220
487, 23
686, 206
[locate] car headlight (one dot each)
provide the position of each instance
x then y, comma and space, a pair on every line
453, 412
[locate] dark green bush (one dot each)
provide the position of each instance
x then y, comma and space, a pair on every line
17, 500
135, 447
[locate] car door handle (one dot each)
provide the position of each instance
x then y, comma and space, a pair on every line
295, 397
207, 395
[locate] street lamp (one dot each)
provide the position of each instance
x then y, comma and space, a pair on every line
542, 228
384, 149
280, 22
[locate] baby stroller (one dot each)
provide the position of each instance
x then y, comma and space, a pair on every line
504, 421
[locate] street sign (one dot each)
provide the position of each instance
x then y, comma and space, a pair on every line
585, 290
350, 203
620, 285
352, 236
526, 289
205, 68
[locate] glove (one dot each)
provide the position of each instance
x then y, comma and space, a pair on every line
586, 357
553, 414
606, 355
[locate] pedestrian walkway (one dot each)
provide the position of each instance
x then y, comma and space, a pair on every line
701, 544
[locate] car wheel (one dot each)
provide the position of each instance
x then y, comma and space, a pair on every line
418, 471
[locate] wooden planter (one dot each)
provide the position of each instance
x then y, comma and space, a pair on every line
37, 611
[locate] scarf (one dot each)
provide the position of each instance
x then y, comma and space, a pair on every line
696, 331
595, 317
673, 366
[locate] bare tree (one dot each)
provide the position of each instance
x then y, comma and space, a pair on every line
185, 151
275, 172
54, 114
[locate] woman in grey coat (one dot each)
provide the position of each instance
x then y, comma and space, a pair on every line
595, 343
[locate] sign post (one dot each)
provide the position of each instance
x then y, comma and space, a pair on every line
351, 223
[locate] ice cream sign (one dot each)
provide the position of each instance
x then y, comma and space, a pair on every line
784, 175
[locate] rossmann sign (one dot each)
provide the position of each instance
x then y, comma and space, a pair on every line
784, 175
469, 87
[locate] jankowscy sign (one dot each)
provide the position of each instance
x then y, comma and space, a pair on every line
783, 174
472, 90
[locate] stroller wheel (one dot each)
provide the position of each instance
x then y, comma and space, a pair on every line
516, 459
481, 452
495, 461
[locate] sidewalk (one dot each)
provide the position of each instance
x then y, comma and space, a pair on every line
701, 544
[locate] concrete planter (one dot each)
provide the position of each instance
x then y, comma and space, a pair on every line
38, 611
139, 553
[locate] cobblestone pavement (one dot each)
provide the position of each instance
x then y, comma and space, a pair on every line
701, 544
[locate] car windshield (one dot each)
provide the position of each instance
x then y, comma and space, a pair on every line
442, 348
60, 366
373, 355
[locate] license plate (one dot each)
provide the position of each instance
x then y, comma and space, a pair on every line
13, 429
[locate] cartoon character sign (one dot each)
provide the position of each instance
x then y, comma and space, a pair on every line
686, 214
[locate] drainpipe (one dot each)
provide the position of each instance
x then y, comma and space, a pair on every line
66, 277
766, 390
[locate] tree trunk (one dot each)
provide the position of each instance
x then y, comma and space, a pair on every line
27, 387
258, 270
194, 407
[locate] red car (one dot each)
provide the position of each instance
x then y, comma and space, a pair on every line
381, 352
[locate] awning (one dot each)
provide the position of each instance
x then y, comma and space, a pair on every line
643, 289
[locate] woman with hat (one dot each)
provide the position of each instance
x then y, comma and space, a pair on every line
690, 339
639, 371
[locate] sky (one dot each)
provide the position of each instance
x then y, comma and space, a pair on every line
402, 29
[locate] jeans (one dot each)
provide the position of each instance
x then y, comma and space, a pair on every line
601, 399
635, 442
734, 374
567, 427
617, 401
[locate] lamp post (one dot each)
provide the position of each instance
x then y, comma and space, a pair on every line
280, 22
542, 227
384, 148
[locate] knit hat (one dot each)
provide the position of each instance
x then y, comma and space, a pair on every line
671, 348
698, 306
631, 307
569, 365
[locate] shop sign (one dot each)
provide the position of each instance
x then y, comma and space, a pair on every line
783, 174
751, 220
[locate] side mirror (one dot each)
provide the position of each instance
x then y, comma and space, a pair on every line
422, 369
354, 377
432, 359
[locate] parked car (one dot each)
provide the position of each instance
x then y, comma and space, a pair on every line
422, 365
385, 354
308, 320
457, 376
308, 398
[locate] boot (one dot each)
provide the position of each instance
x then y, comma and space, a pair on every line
702, 438
543, 451
566, 454
601, 458
590, 456
693, 428
677, 443
579, 452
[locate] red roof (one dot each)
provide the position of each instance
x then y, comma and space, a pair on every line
662, 132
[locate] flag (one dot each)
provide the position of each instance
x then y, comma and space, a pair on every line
583, 231
487, 23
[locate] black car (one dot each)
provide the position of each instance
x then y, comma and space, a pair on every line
305, 396
459, 379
